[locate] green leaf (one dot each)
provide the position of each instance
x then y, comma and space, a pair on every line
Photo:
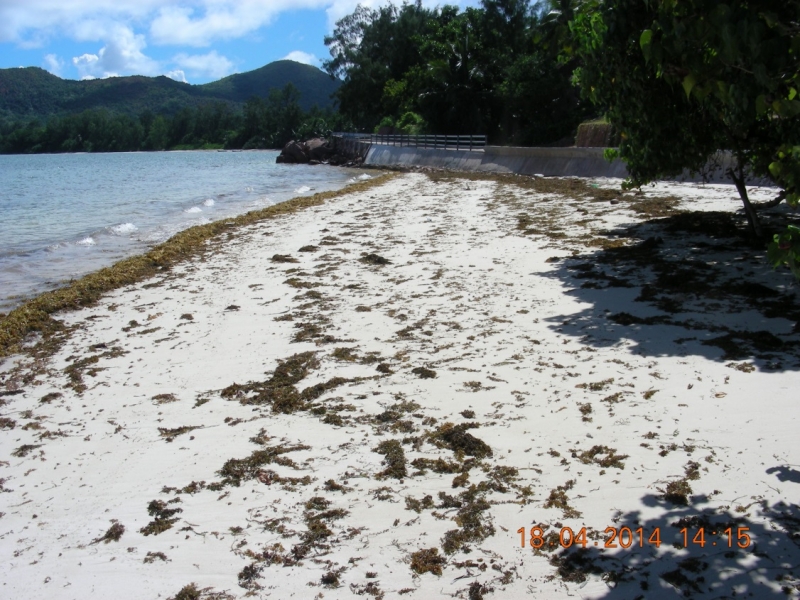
761, 105
688, 84
644, 41
792, 93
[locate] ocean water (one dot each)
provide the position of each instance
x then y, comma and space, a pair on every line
65, 215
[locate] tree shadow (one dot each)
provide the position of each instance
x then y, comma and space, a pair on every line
728, 561
688, 284
785, 473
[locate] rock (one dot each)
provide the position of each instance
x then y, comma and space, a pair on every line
314, 151
294, 152
319, 149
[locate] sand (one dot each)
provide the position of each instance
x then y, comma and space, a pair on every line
374, 396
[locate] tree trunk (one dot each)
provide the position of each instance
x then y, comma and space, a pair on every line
749, 210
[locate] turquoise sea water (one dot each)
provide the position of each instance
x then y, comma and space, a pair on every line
65, 215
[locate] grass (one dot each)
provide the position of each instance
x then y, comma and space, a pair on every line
36, 315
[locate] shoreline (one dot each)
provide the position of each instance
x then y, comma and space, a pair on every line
80, 230
371, 391
32, 316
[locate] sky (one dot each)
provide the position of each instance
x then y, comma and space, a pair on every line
195, 41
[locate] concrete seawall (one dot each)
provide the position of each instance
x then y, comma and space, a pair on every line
550, 162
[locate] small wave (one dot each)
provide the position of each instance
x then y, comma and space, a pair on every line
124, 228
87, 241
364, 177
194, 209
302, 189
208, 202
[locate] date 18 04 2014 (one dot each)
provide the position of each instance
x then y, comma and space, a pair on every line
625, 537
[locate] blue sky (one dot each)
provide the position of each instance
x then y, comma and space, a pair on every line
191, 40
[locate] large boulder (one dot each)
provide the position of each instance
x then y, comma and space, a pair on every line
319, 149
294, 152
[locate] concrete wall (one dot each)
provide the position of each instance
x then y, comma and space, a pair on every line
550, 162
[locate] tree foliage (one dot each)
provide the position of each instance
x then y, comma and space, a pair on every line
491, 70
683, 79
263, 123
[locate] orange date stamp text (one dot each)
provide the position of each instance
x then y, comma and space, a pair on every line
625, 537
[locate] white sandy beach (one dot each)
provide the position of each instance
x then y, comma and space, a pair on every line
578, 380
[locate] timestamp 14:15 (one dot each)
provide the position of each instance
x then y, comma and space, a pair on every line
625, 537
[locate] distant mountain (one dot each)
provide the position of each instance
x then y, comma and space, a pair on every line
33, 92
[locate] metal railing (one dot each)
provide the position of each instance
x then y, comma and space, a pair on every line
435, 142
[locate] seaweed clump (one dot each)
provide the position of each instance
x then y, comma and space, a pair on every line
457, 439
375, 259
601, 455
424, 373
113, 534
678, 492
427, 560
279, 391
163, 520
318, 514
394, 458
558, 499
192, 592
235, 471
474, 525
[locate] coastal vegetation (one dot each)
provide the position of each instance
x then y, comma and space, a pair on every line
261, 123
680, 81
32, 92
495, 70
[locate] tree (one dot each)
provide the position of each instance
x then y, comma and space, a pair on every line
368, 49
681, 80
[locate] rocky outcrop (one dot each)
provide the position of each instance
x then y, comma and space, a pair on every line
314, 151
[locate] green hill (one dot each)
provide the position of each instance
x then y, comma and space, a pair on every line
33, 92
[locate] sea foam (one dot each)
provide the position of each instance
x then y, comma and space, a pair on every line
208, 202
124, 228
302, 189
87, 241
194, 209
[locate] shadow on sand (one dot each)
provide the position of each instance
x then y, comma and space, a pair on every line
688, 284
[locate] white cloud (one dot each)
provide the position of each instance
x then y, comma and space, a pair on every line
200, 23
177, 75
302, 57
190, 22
53, 63
205, 65
122, 53
30, 22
